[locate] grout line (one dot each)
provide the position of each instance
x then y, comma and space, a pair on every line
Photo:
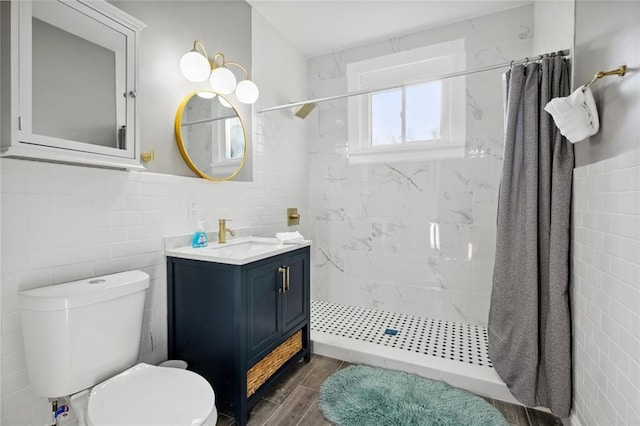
274, 402
310, 372
280, 405
526, 410
320, 357
301, 380
289, 396
306, 387
272, 414
315, 401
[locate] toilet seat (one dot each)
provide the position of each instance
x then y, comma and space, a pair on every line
150, 395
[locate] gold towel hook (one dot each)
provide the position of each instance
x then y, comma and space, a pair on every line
620, 71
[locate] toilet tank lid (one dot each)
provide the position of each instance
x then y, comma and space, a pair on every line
83, 292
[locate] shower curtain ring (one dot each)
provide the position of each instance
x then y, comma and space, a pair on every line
526, 61
511, 64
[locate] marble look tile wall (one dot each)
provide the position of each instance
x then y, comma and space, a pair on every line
372, 225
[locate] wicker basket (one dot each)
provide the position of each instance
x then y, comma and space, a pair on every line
259, 373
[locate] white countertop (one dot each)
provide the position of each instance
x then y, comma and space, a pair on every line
237, 251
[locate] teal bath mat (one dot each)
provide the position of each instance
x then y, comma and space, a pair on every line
365, 396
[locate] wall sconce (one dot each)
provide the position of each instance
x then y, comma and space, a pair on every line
197, 67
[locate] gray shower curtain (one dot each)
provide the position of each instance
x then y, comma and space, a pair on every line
529, 317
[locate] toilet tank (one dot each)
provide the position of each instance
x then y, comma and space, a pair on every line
80, 333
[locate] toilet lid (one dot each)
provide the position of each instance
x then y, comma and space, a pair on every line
150, 395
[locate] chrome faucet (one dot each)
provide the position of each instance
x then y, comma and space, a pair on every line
222, 230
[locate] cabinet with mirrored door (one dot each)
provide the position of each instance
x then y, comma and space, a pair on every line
69, 83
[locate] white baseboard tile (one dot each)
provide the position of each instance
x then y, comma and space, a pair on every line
572, 420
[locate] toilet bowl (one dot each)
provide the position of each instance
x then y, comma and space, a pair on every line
147, 395
95, 326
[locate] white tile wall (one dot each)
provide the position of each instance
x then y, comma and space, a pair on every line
606, 291
372, 223
62, 222
606, 238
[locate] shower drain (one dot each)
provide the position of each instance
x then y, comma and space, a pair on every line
444, 339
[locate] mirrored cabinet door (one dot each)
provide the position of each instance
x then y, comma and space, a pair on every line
76, 74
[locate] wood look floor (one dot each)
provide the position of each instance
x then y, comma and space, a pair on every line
294, 400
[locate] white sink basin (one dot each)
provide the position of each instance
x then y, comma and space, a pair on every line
242, 249
237, 251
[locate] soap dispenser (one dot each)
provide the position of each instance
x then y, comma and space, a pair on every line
200, 236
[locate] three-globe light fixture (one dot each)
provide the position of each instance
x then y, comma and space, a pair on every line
197, 67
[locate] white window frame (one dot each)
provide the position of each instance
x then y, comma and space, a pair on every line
219, 160
405, 68
228, 123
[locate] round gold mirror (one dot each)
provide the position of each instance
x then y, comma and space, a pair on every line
211, 135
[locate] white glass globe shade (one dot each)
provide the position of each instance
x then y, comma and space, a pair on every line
247, 92
195, 67
223, 81
224, 102
206, 94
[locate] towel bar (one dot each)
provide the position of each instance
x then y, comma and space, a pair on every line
620, 71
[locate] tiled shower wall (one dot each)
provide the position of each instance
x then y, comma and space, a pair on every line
62, 222
372, 223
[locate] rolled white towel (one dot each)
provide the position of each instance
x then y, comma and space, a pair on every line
576, 115
290, 237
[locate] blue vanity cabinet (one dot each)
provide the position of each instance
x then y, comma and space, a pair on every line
230, 321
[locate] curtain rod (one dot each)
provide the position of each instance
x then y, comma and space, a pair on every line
207, 120
440, 77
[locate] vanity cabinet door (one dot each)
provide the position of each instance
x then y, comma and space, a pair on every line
295, 301
263, 306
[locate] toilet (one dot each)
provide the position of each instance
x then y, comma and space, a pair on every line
82, 340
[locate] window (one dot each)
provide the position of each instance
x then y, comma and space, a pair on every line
419, 105
410, 121
234, 139
228, 153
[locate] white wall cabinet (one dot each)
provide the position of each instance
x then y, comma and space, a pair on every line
69, 79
